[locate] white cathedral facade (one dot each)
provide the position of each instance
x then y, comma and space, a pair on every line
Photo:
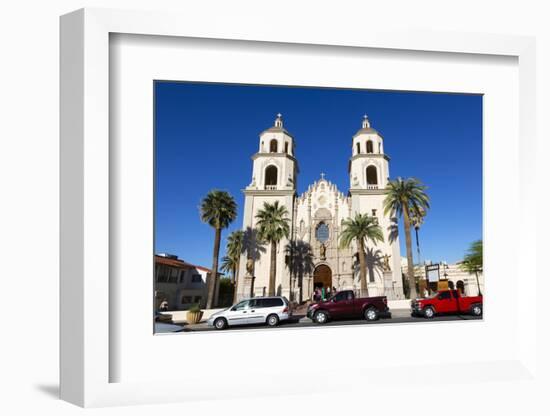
311, 256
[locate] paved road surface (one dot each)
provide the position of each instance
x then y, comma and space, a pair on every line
398, 316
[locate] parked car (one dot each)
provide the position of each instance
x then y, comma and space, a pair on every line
265, 310
344, 305
447, 302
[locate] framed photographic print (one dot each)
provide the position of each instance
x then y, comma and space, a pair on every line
291, 207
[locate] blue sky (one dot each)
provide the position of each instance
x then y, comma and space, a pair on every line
206, 134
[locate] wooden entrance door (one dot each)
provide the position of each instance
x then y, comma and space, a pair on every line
322, 277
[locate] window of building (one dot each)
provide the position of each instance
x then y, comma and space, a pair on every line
273, 146
358, 148
271, 176
322, 233
286, 147
196, 278
372, 177
163, 274
187, 299
174, 274
369, 147
182, 276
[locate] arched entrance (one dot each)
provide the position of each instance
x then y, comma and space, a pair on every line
322, 277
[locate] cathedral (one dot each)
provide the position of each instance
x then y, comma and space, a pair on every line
311, 256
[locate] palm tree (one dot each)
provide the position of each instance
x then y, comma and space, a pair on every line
231, 261
473, 261
218, 209
273, 226
406, 197
361, 228
417, 219
299, 260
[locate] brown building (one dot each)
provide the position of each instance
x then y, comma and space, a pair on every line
179, 283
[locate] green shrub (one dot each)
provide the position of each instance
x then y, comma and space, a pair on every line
195, 308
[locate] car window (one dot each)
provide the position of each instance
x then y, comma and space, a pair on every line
272, 302
241, 305
445, 295
455, 294
341, 296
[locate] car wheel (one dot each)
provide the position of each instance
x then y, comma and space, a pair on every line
273, 320
220, 323
321, 317
477, 310
429, 312
371, 314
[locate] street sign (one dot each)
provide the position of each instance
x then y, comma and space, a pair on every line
432, 272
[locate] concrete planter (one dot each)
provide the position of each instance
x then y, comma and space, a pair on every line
194, 317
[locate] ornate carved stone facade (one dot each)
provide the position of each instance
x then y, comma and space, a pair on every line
312, 256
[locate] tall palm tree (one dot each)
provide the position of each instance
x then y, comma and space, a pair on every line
417, 219
473, 261
299, 260
361, 228
234, 249
405, 197
273, 226
218, 209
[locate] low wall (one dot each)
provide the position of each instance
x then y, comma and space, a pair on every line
399, 304
179, 317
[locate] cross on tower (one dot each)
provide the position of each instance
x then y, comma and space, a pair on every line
322, 175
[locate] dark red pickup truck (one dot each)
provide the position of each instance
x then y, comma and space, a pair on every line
447, 302
344, 305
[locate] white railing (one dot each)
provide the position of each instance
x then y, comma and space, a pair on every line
271, 187
372, 186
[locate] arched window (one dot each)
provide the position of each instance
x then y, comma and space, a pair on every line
286, 147
372, 177
358, 148
322, 232
273, 146
369, 147
271, 177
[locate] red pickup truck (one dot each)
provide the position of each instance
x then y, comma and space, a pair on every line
447, 302
344, 305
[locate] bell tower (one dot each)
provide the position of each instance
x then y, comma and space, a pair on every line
368, 166
274, 166
369, 175
274, 177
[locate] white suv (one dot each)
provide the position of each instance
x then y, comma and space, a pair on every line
269, 310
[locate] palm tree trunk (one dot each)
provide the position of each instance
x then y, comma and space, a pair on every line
272, 269
211, 286
252, 286
417, 244
410, 265
478, 287
236, 283
363, 269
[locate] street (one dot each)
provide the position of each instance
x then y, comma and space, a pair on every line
399, 316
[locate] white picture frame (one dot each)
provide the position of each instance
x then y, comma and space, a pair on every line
88, 294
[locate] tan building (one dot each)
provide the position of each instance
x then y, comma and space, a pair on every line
179, 283
456, 277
